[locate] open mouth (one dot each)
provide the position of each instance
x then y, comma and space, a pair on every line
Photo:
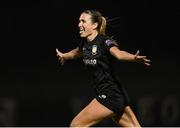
81, 30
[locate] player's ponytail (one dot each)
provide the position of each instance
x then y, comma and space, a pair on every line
102, 28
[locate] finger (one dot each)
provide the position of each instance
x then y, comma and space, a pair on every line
147, 60
57, 50
58, 53
141, 57
62, 62
147, 64
137, 53
59, 58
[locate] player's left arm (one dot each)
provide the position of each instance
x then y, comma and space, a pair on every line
126, 56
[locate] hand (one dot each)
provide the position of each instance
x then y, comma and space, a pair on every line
60, 56
141, 59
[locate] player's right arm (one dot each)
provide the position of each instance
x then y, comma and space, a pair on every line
73, 54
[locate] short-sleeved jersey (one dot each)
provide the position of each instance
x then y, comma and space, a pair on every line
98, 60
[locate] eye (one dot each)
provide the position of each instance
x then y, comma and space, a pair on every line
83, 21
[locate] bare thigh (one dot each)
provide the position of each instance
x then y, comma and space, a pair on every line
128, 118
92, 114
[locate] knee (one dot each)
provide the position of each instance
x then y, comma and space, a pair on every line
136, 124
80, 123
129, 124
75, 123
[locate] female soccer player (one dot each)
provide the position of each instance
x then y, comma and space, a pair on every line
98, 51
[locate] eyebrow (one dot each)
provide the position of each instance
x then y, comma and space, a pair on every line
81, 20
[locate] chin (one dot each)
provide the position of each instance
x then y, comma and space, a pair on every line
83, 35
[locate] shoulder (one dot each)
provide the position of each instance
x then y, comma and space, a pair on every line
108, 41
105, 39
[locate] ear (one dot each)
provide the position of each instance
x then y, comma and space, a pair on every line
95, 25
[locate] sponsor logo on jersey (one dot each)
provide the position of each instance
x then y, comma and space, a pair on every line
102, 96
90, 61
94, 49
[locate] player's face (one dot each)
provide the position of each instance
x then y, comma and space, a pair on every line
86, 27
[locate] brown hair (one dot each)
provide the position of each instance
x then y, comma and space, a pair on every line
97, 17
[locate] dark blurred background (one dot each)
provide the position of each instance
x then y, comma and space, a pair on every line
36, 91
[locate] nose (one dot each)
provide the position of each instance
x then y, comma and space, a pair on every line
79, 24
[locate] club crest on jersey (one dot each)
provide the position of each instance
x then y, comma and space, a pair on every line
94, 49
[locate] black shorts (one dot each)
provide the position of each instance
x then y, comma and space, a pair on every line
114, 97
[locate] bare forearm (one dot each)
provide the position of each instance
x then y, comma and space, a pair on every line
73, 54
122, 55
125, 56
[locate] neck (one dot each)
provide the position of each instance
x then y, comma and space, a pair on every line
92, 36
